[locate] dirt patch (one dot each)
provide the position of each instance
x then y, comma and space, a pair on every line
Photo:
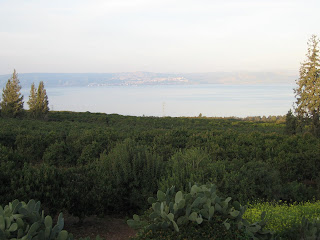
110, 227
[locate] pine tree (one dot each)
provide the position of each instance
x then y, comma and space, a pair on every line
291, 123
38, 101
42, 105
32, 100
308, 90
12, 99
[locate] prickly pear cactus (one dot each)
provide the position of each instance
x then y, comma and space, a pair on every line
22, 221
201, 204
309, 230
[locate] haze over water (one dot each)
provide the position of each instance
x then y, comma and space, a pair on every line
189, 100
121, 36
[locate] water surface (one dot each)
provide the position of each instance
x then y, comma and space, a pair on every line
175, 100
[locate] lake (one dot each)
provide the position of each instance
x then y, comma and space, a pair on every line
174, 100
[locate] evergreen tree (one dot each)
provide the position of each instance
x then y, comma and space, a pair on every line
291, 123
308, 90
38, 101
42, 105
32, 100
12, 99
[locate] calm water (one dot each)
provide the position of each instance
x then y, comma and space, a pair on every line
191, 100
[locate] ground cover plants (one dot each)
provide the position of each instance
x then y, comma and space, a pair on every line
286, 219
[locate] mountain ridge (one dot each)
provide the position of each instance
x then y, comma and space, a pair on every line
152, 78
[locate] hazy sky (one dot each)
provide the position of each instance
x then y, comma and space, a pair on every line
155, 35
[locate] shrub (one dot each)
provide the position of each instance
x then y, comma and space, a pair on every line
286, 220
128, 175
192, 165
82, 191
297, 192
42, 182
201, 206
254, 180
56, 154
31, 146
6, 179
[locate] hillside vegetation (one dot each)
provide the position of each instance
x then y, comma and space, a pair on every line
94, 163
98, 163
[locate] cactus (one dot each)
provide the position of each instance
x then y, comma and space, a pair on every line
25, 221
201, 204
309, 230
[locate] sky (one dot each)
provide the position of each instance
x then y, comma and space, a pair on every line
155, 35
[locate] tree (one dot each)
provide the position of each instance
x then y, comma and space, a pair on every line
12, 99
291, 123
32, 100
38, 101
42, 100
308, 90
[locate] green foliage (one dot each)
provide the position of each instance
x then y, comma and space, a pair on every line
90, 163
82, 191
32, 102
190, 166
288, 221
6, 179
175, 210
42, 107
298, 191
297, 158
74, 188
38, 101
307, 92
56, 154
253, 180
31, 147
85, 147
19, 220
309, 230
44, 182
128, 173
90, 153
308, 89
12, 99
291, 123
168, 143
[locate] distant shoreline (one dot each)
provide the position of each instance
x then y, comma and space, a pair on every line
152, 79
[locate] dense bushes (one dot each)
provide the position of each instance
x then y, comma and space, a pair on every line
97, 163
253, 180
117, 182
189, 166
129, 175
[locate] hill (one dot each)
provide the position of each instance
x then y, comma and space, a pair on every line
149, 78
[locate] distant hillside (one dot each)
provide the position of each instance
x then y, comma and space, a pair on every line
243, 77
148, 78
